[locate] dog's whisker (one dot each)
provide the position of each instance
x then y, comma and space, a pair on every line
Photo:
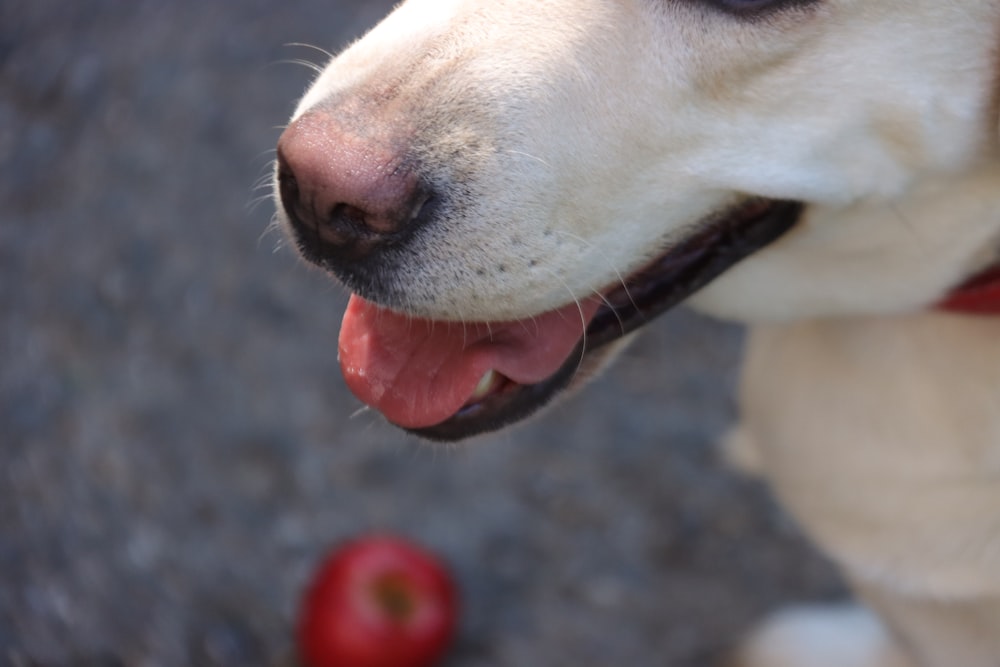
360, 411
254, 203
274, 225
304, 62
534, 323
263, 182
270, 157
306, 45
308, 64
583, 317
529, 156
618, 275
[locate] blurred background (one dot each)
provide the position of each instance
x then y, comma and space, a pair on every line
177, 448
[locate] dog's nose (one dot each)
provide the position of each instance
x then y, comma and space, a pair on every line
345, 195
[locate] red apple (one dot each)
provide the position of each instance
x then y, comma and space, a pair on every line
377, 601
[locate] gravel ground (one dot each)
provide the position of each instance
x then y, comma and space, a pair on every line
178, 448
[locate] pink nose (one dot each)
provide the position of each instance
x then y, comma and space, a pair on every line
345, 195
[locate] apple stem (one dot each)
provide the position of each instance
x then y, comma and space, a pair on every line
395, 597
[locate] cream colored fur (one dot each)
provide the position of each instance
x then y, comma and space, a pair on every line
882, 436
585, 136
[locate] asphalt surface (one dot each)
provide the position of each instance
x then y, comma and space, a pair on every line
178, 448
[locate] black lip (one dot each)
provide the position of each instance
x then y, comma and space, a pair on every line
720, 243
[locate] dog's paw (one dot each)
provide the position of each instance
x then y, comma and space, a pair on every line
819, 636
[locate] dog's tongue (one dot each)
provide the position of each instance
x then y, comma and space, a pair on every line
419, 373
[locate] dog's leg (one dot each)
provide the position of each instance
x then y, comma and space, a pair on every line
907, 631
820, 636
880, 437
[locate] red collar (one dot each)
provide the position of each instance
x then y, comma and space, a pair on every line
979, 295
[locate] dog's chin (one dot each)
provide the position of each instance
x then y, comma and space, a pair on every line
718, 243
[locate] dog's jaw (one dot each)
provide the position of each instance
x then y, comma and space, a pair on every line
443, 380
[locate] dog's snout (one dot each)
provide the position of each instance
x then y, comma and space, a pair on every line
345, 194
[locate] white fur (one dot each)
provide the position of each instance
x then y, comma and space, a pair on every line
883, 436
594, 133
833, 636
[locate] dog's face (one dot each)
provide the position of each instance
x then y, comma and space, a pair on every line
519, 161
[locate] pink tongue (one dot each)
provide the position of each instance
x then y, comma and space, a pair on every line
419, 372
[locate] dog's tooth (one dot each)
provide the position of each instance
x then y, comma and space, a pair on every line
485, 386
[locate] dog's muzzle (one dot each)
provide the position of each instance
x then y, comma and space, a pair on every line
350, 200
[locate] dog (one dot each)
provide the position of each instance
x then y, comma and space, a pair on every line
511, 188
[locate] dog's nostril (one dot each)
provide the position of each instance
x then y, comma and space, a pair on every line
421, 204
318, 231
345, 223
288, 187
348, 216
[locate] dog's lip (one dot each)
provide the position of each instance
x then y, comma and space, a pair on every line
720, 242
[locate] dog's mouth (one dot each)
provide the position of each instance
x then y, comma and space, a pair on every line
448, 381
